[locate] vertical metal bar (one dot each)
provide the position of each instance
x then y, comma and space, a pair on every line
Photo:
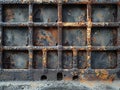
118, 36
30, 23
118, 59
30, 59
30, 35
59, 35
60, 48
60, 12
0, 37
44, 61
89, 25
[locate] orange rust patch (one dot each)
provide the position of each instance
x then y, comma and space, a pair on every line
67, 78
30, 17
102, 74
9, 14
30, 55
54, 32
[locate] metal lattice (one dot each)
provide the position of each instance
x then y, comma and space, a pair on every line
55, 40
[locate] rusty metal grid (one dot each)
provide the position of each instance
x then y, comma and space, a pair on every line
38, 56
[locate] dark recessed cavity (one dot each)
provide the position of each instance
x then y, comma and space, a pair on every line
59, 76
43, 77
76, 77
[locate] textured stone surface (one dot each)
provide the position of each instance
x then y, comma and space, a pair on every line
61, 85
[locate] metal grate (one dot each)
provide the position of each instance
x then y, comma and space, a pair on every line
59, 40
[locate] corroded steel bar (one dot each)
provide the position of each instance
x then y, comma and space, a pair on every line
118, 36
105, 24
60, 59
67, 70
59, 35
30, 37
30, 64
1, 37
89, 25
74, 24
64, 24
30, 12
44, 61
63, 1
102, 48
59, 12
118, 59
105, 1
93, 48
13, 24
44, 24
15, 47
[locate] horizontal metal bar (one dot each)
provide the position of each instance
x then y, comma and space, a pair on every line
13, 1
105, 1
45, 24
105, 24
100, 48
62, 1
105, 48
15, 48
20, 24
74, 24
66, 70
64, 24
29, 47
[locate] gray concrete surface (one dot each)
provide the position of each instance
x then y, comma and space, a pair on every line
60, 85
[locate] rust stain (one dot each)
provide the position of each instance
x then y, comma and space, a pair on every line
65, 0
30, 17
9, 14
30, 56
102, 74
67, 78
54, 32
74, 51
46, 37
44, 58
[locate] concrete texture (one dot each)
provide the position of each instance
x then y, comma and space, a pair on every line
60, 85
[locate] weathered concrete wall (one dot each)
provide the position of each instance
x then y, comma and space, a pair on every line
61, 85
